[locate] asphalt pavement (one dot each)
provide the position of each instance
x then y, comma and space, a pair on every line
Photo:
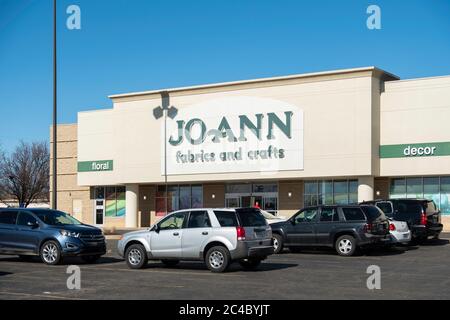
417, 272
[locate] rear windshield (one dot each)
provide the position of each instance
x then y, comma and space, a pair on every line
353, 214
226, 218
251, 218
373, 213
405, 210
386, 207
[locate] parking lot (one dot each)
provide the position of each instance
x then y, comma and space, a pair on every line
406, 273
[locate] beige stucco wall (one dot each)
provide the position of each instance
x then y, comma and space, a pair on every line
415, 111
338, 132
68, 190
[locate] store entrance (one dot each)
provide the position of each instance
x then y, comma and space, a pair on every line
251, 201
264, 196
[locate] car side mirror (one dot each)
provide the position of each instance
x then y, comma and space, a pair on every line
292, 221
156, 228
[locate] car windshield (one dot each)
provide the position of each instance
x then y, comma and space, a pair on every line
56, 218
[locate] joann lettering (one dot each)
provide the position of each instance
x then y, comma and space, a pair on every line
224, 130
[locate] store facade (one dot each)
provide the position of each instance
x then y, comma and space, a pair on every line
279, 143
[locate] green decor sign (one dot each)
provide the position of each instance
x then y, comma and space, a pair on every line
415, 150
93, 166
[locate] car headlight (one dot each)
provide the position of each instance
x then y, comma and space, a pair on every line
67, 233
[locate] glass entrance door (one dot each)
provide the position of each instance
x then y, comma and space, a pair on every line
99, 206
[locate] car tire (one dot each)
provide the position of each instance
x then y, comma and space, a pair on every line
278, 243
25, 258
217, 259
90, 259
250, 264
50, 253
136, 256
345, 245
170, 263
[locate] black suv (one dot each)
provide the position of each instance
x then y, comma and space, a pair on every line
422, 215
344, 227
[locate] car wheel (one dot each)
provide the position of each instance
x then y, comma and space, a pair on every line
345, 245
250, 264
136, 256
217, 259
90, 259
26, 258
170, 263
50, 253
277, 243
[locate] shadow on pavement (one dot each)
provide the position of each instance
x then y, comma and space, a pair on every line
435, 242
65, 261
374, 251
234, 267
4, 273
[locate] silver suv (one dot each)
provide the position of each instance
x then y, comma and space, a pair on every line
215, 236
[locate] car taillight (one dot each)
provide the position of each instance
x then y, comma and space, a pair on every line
423, 219
368, 227
240, 233
391, 227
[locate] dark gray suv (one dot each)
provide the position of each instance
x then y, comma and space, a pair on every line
346, 228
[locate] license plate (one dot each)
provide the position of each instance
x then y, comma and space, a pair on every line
405, 236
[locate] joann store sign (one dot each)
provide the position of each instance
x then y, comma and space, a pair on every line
415, 150
235, 134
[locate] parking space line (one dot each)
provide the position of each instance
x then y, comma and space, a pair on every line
38, 295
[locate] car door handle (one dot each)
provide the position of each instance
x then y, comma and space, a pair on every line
176, 234
205, 233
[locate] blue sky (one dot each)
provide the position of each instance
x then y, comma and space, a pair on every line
135, 45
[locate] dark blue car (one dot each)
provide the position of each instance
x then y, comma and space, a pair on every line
51, 234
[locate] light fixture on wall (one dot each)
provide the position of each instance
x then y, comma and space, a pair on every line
378, 193
213, 196
145, 197
289, 194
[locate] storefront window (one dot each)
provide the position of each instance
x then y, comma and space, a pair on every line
185, 197
398, 188
414, 188
445, 195
311, 193
179, 197
197, 196
353, 191
120, 204
340, 192
433, 188
114, 204
330, 192
325, 192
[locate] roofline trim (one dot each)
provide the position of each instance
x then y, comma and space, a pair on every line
252, 81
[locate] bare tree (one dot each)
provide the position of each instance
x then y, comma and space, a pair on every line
24, 174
